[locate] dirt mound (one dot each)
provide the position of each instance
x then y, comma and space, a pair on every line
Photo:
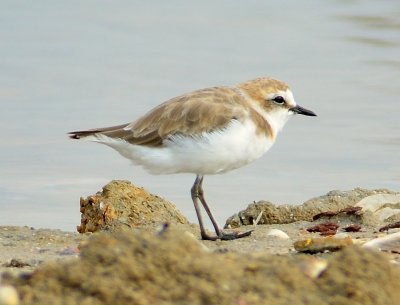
172, 267
120, 204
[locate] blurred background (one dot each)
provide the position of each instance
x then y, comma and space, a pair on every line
68, 65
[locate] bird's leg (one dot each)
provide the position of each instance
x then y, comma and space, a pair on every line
222, 235
200, 193
195, 197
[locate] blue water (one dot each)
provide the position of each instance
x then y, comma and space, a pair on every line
74, 65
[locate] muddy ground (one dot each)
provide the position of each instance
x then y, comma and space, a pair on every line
156, 264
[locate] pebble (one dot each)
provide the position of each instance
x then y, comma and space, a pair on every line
8, 296
390, 243
379, 204
315, 245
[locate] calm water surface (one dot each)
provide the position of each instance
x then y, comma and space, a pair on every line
74, 65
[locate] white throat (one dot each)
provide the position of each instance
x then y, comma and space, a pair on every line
277, 119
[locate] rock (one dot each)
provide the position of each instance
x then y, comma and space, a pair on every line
395, 225
121, 204
280, 214
315, 245
352, 228
16, 263
271, 214
347, 211
382, 205
388, 243
326, 228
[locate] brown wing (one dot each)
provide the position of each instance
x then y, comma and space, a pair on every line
194, 113
200, 111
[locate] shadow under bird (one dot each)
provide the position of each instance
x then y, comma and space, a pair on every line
204, 132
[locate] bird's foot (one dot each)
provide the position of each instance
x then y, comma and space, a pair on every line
234, 235
226, 235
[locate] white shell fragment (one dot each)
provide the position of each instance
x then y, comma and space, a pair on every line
278, 233
314, 267
390, 243
382, 205
258, 218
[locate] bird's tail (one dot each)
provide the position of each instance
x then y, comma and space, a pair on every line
112, 132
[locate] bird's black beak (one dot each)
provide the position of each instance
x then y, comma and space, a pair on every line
300, 110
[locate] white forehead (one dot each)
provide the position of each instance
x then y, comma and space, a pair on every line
287, 95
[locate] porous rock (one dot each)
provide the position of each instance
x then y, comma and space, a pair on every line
280, 214
121, 204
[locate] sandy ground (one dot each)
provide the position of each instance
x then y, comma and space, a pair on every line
154, 264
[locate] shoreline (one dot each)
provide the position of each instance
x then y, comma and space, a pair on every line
30, 257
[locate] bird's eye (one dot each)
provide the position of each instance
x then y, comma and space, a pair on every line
279, 100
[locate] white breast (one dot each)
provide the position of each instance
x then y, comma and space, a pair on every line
208, 153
